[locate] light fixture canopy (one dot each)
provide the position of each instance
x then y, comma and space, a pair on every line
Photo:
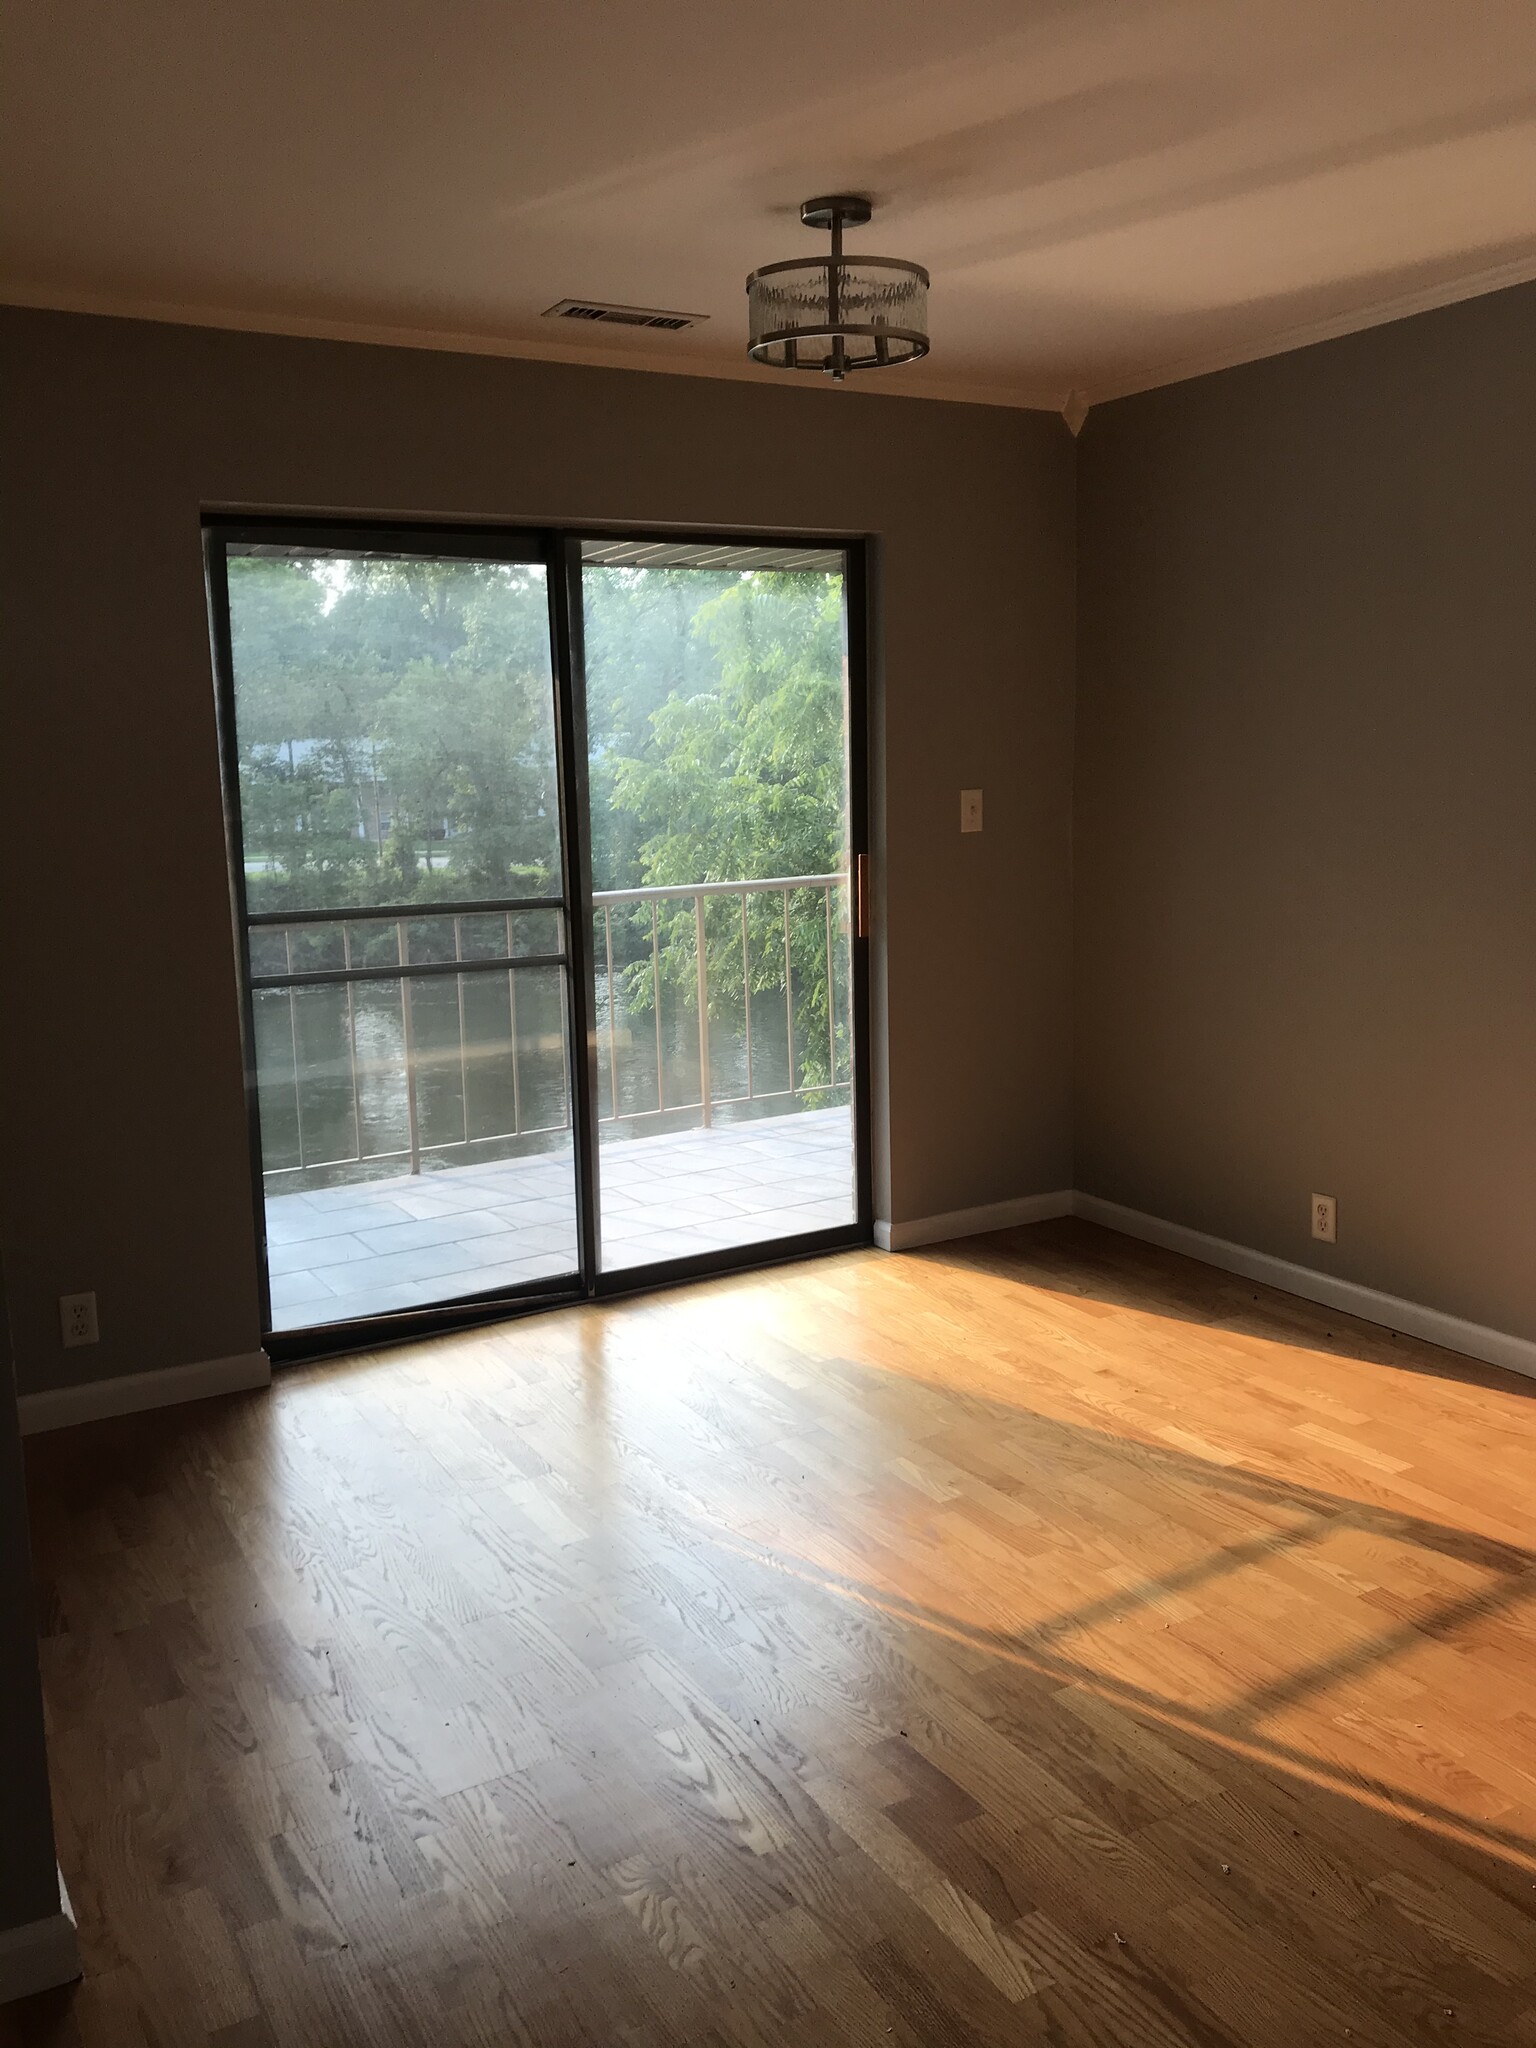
840, 314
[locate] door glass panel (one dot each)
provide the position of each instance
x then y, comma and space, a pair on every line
395, 737
717, 718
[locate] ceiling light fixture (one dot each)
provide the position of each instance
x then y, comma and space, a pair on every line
847, 313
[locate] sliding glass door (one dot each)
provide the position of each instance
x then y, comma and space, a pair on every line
541, 854
717, 736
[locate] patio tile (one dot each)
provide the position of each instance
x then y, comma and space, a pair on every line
309, 1256
427, 1262
298, 1290
454, 1201
324, 1201
647, 1251
539, 1237
287, 1225
409, 1239
622, 1228
535, 1210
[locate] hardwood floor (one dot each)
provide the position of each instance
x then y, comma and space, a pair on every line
1034, 1639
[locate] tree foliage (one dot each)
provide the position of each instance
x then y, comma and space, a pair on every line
396, 744
743, 780
395, 736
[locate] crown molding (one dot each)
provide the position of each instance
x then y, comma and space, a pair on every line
1072, 400
1380, 313
950, 390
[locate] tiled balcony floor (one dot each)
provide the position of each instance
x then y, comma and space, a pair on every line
341, 1252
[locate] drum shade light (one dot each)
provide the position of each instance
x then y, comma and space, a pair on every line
840, 313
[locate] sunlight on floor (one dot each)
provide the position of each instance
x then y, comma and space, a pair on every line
1302, 1623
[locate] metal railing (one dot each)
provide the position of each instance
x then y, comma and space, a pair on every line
606, 901
404, 971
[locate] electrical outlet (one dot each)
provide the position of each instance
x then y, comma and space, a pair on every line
1325, 1218
970, 810
77, 1319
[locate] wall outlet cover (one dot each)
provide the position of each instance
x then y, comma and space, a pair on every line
1325, 1219
970, 810
77, 1320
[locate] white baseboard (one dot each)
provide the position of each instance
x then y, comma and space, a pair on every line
92, 1400
902, 1237
1411, 1318
40, 1955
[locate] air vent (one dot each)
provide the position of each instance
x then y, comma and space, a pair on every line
622, 316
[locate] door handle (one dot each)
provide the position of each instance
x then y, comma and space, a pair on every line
861, 911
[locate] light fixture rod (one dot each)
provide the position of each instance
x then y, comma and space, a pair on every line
834, 295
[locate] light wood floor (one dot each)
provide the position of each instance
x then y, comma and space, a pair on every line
1034, 1639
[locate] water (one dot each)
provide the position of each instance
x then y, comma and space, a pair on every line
333, 1088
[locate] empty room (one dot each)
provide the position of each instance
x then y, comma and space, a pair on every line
768, 1170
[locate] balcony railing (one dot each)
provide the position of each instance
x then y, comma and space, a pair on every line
331, 1094
605, 901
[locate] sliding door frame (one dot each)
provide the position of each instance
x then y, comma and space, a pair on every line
558, 550
805, 1244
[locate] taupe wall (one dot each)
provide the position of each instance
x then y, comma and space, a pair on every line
1306, 805
125, 1147
1305, 908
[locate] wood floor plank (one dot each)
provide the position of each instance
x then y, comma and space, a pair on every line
1036, 1638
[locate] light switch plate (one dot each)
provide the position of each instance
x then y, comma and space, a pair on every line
970, 810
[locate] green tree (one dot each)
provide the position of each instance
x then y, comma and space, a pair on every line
744, 780
640, 650
396, 742
396, 731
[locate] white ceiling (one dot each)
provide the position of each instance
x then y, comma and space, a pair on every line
1108, 194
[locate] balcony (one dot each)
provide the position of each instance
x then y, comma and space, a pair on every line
419, 1132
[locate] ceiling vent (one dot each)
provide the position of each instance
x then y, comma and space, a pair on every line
593, 311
